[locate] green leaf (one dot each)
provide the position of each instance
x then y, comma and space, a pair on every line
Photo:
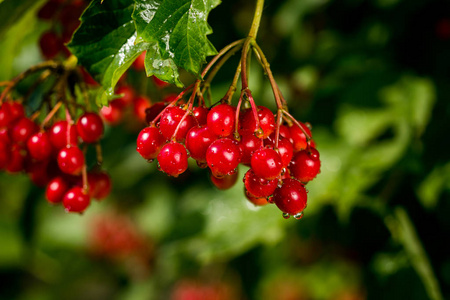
177, 31
105, 43
11, 11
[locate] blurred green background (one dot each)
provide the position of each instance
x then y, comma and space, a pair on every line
372, 77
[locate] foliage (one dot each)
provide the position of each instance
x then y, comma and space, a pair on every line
377, 213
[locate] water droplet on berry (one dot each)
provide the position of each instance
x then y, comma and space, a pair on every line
286, 215
150, 160
307, 190
270, 199
159, 167
298, 216
308, 125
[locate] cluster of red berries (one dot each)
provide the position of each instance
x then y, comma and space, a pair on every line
115, 236
114, 113
282, 160
64, 17
51, 155
116, 110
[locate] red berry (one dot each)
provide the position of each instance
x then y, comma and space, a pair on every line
198, 140
16, 159
139, 63
87, 77
159, 83
248, 124
290, 197
298, 138
48, 10
99, 185
257, 186
221, 120
284, 132
56, 189
140, 104
90, 127
4, 116
50, 44
39, 146
58, 135
266, 163
38, 171
71, 160
248, 145
223, 157
285, 148
258, 201
225, 182
113, 113
5, 153
4, 136
75, 200
305, 165
9, 112
127, 95
201, 114
23, 129
173, 159
153, 111
149, 142
170, 120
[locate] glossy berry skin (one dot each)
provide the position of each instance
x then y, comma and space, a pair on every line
39, 146
291, 197
257, 186
99, 185
75, 200
58, 135
71, 160
305, 165
149, 142
266, 163
170, 119
56, 189
223, 157
248, 124
285, 148
298, 138
198, 141
4, 116
225, 182
23, 129
257, 201
90, 127
140, 105
248, 145
173, 159
201, 114
221, 120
